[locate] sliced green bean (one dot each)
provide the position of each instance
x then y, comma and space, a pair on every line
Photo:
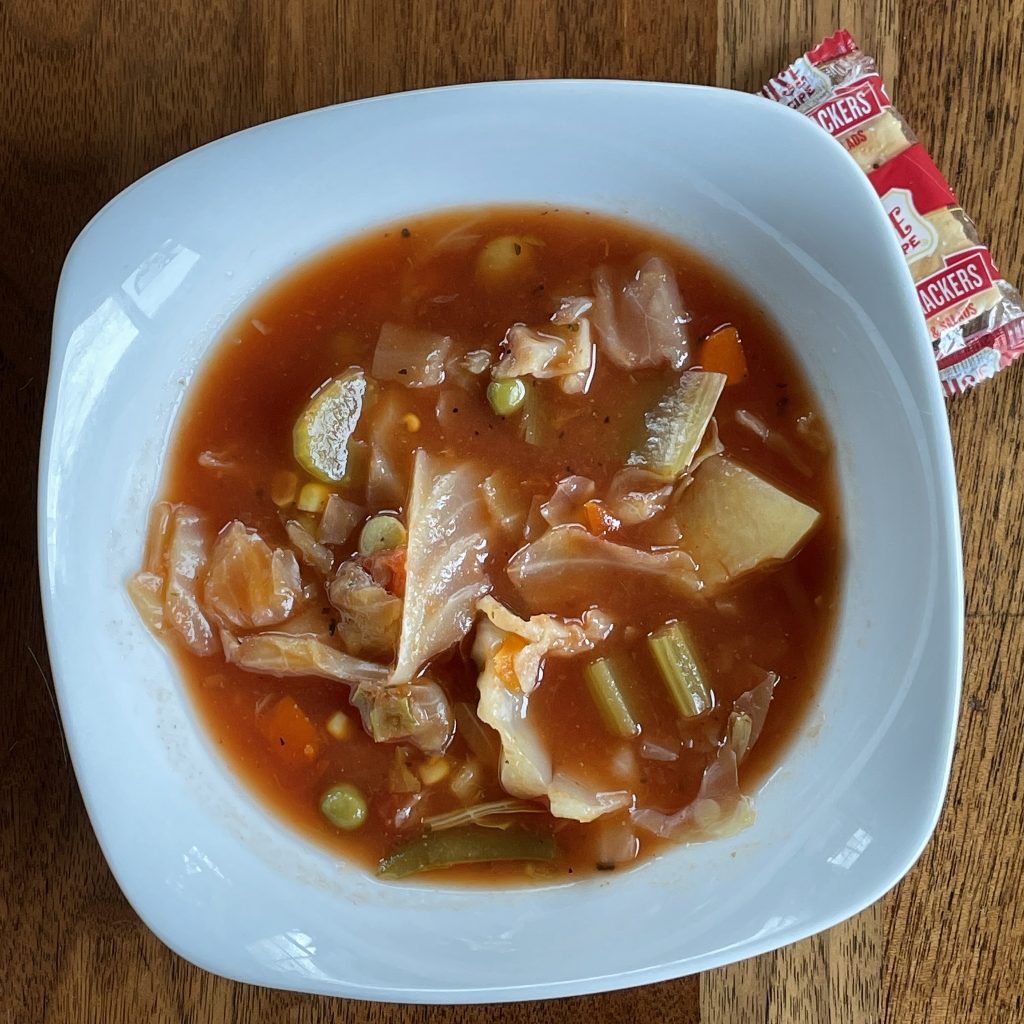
467, 845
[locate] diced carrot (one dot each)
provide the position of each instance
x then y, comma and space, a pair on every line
388, 569
291, 735
599, 520
504, 661
722, 352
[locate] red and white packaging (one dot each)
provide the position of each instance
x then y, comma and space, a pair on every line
975, 318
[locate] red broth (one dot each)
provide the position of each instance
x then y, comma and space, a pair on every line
323, 318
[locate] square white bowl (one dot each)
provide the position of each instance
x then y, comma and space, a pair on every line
144, 293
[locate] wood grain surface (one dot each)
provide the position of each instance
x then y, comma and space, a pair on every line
94, 93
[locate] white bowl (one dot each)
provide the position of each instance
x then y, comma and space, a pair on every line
145, 291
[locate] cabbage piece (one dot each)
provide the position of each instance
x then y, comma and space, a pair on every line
734, 522
445, 565
571, 308
339, 519
390, 460
566, 504
505, 502
313, 553
411, 356
186, 564
526, 767
248, 583
544, 635
558, 571
571, 798
636, 495
719, 809
563, 351
146, 589
416, 713
749, 712
642, 321
284, 654
369, 618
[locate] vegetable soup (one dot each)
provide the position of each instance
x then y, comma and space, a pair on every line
503, 541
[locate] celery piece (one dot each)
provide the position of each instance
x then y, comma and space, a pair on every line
321, 436
676, 659
466, 845
605, 683
676, 425
382, 533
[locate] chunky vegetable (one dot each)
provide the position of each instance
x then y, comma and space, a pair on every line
344, 806
381, 533
449, 534
642, 321
556, 572
249, 584
416, 712
722, 352
676, 425
734, 521
324, 429
293, 738
282, 654
680, 670
506, 396
410, 356
369, 617
607, 686
506, 260
465, 845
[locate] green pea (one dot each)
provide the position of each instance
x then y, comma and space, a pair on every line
381, 533
344, 806
506, 396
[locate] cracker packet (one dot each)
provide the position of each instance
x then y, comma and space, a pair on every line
975, 318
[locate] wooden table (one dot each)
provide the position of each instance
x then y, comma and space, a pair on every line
95, 93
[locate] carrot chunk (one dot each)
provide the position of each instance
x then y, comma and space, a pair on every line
722, 352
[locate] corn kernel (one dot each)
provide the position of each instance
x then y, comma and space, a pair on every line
412, 422
434, 770
339, 725
313, 498
283, 485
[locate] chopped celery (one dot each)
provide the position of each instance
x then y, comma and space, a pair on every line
382, 533
469, 844
325, 427
605, 682
676, 425
677, 661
